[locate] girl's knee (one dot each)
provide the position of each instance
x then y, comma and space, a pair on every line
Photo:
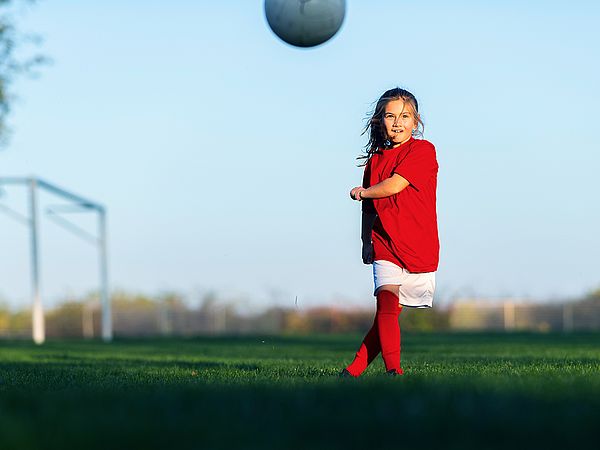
393, 288
387, 299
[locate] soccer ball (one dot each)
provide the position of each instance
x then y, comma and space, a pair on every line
305, 23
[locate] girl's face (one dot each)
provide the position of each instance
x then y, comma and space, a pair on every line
399, 122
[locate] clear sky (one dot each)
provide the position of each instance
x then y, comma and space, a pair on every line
225, 157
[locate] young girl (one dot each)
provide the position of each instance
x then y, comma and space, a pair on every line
399, 223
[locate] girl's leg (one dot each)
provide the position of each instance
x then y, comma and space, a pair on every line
388, 310
384, 334
367, 352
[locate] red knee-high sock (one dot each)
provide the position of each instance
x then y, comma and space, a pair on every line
367, 352
388, 311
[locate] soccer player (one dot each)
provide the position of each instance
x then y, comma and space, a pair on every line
399, 223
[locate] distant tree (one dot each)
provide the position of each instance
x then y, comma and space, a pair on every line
594, 294
12, 65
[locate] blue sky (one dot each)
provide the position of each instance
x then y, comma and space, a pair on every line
225, 157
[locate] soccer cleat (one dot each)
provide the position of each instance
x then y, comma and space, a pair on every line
345, 373
394, 372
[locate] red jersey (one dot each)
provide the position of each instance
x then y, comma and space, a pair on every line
405, 231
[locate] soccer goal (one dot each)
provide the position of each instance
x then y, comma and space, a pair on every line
75, 203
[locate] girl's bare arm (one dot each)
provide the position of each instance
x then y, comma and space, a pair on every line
390, 186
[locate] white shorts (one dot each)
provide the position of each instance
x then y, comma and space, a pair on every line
415, 289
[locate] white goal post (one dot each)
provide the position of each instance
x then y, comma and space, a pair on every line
76, 203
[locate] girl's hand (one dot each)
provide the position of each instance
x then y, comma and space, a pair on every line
354, 193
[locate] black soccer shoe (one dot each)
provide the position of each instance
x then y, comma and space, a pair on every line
345, 373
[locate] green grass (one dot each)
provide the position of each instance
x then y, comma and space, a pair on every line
459, 391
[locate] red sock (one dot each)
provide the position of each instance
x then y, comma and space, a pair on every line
367, 352
378, 337
388, 311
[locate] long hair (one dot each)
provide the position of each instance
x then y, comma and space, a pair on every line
375, 128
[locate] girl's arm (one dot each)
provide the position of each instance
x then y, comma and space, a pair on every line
368, 219
390, 186
387, 187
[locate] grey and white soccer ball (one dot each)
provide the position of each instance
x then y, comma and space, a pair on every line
305, 23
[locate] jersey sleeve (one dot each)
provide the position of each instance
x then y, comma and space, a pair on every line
419, 165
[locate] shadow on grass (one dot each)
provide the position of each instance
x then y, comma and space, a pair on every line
348, 414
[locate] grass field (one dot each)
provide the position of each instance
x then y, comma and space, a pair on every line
459, 391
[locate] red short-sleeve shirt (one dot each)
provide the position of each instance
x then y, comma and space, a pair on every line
405, 231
